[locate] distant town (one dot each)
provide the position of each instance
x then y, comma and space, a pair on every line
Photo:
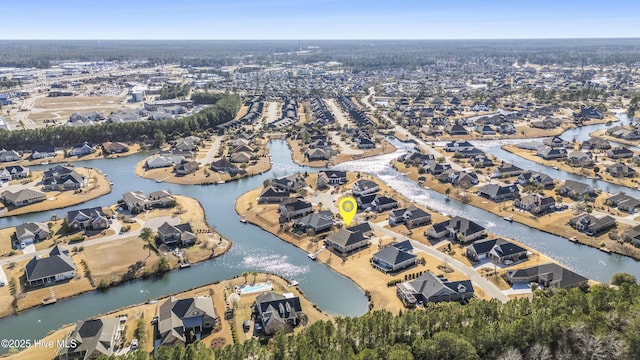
480, 175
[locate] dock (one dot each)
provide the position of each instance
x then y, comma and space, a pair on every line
49, 300
313, 256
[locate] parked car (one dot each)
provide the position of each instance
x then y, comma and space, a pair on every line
134, 344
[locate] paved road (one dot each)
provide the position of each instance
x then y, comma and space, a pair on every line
208, 159
469, 272
337, 112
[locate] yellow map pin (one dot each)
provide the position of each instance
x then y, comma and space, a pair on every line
348, 208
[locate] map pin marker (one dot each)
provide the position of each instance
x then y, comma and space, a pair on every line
348, 208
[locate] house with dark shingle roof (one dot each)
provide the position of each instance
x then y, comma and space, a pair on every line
87, 219
457, 228
292, 182
22, 197
623, 202
535, 203
364, 187
294, 207
506, 170
331, 177
318, 222
429, 288
91, 339
273, 195
499, 193
183, 321
549, 153
58, 266
592, 225
547, 275
576, 190
31, 232
496, 250
412, 217
348, 240
393, 259
620, 170
278, 312
619, 152
181, 234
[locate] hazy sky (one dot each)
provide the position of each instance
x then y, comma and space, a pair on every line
318, 19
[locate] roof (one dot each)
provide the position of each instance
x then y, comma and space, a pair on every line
393, 255
493, 190
275, 308
93, 336
274, 192
295, 204
85, 213
30, 228
22, 195
316, 220
175, 313
346, 238
464, 226
430, 286
554, 273
57, 262
363, 185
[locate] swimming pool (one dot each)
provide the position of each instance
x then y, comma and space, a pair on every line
254, 288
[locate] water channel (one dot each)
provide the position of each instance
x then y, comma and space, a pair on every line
256, 250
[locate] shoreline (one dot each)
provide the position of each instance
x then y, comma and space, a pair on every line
134, 149
523, 218
298, 157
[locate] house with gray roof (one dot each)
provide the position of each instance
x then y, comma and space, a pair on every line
499, 193
623, 202
578, 158
620, 170
183, 321
31, 232
273, 195
293, 207
549, 275
87, 219
496, 250
292, 182
14, 172
58, 266
331, 177
181, 235
9, 155
535, 203
392, 259
550, 153
429, 288
91, 339
592, 225
576, 190
506, 170
278, 312
22, 197
364, 187
347, 241
457, 228
318, 222
412, 217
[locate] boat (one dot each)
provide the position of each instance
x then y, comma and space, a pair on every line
44, 163
49, 300
312, 256
159, 180
508, 218
555, 167
185, 265
293, 283
243, 219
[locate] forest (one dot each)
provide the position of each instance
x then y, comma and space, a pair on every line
222, 111
600, 322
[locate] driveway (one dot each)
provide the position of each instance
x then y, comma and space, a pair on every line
208, 159
469, 272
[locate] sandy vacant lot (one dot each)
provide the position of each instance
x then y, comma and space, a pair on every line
60, 108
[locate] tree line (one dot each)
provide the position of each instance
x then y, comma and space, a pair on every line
222, 111
599, 322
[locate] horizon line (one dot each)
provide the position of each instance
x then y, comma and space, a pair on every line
354, 39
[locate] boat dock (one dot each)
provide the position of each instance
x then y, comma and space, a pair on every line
313, 256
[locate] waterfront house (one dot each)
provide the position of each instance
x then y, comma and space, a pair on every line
619, 152
496, 250
620, 170
592, 225
277, 312
225, 166
183, 321
138, 199
364, 187
623, 202
114, 147
461, 179
181, 235
576, 190
63, 181
81, 149
383, 203
273, 195
549, 275
186, 167
393, 259
92, 339
549, 153
535, 179
292, 182
347, 241
412, 217
429, 288
9, 155
317, 155
22, 197
315, 222
456, 228
14, 172
480, 161
455, 129
458, 146
499, 193
331, 177
535, 203
31, 232
42, 152
416, 158
159, 161
435, 168
557, 142
293, 207
580, 159
58, 266
506, 170
87, 219
595, 143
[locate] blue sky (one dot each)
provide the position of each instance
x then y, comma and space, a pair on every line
317, 19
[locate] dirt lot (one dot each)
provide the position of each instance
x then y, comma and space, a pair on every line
60, 108
98, 186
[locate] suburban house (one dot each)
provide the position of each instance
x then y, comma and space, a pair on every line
416, 158
436, 168
461, 179
480, 161
58, 266
557, 142
14, 172
578, 158
31, 232
91, 339
455, 129
393, 259
317, 154
189, 143
536, 204
331, 177
273, 195
576, 190
87, 219
623, 202
186, 167
183, 321
595, 143
114, 147
294, 207
160, 161
155, 199
499, 193
181, 235
224, 166
592, 225
292, 182
316, 222
364, 187
535, 179
429, 288
496, 250
348, 240
9, 155
458, 146
383, 203
81, 149
457, 228
62, 178
549, 275
22, 197
43, 152
549, 153
620, 170
412, 217
620, 152
278, 312
506, 170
